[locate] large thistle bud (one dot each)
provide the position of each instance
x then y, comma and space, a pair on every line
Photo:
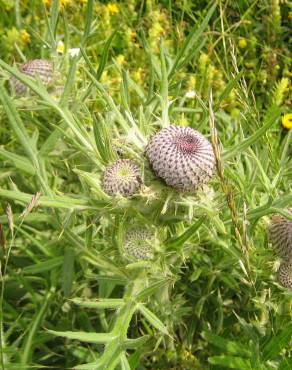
36, 67
285, 274
138, 243
122, 177
280, 235
182, 157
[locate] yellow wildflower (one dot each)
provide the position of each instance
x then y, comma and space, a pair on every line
242, 43
112, 8
24, 36
62, 3
11, 38
60, 47
191, 84
120, 59
287, 120
138, 75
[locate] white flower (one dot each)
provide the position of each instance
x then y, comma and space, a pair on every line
190, 94
74, 52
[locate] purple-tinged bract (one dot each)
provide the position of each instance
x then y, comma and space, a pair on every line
36, 67
280, 235
182, 157
285, 274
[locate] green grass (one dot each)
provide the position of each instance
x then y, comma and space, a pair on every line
210, 298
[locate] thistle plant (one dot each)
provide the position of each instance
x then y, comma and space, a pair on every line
102, 272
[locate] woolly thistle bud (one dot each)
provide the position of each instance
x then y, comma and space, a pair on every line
138, 243
122, 177
181, 156
280, 235
285, 274
37, 67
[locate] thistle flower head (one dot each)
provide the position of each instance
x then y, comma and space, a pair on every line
280, 235
122, 177
138, 243
182, 157
285, 274
37, 67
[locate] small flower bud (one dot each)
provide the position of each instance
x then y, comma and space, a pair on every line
280, 235
37, 67
285, 274
122, 177
138, 243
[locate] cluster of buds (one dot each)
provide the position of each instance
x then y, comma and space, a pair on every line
180, 156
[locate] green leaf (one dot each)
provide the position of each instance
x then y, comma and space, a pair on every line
100, 303
93, 181
19, 162
88, 20
230, 362
47, 265
135, 343
68, 271
271, 118
227, 345
277, 343
147, 292
103, 139
180, 240
101, 338
191, 40
29, 343
286, 364
69, 81
45, 201
54, 17
52, 139
231, 84
104, 56
18, 126
152, 318
124, 362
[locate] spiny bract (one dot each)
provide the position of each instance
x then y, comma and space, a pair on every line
182, 157
138, 243
122, 177
285, 274
280, 234
36, 67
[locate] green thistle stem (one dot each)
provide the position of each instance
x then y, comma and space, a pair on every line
114, 349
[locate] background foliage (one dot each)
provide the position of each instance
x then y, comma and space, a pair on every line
210, 298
